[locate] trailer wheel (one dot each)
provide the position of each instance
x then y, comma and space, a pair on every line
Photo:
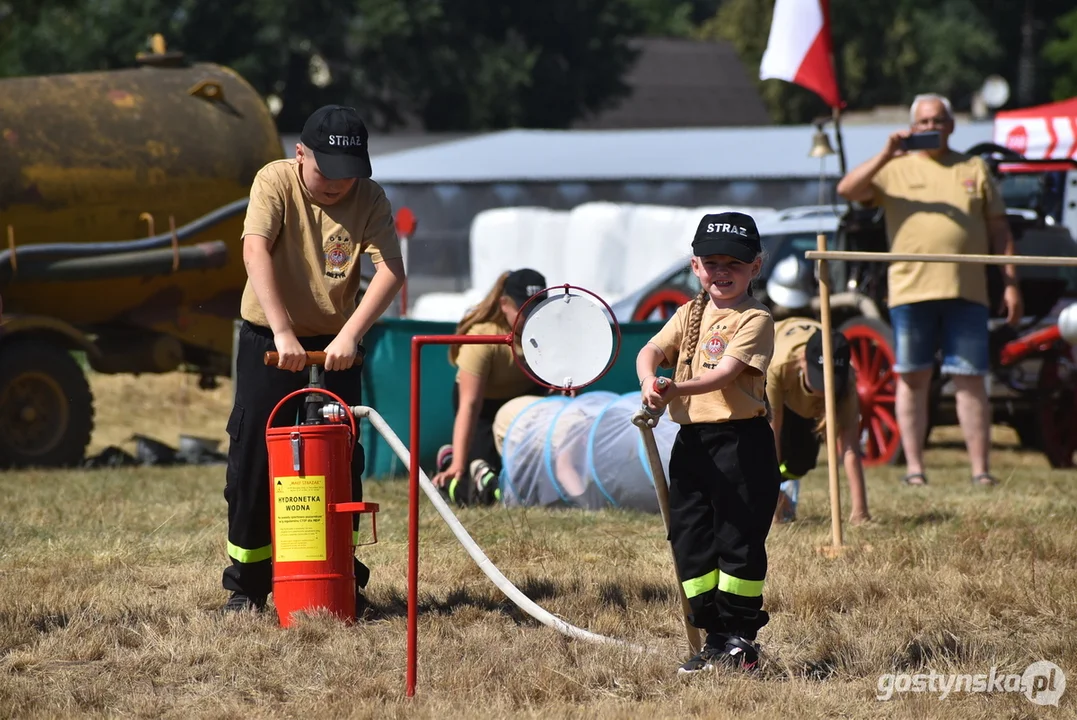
1058, 401
46, 408
664, 300
871, 344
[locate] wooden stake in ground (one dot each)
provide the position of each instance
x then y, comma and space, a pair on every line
828, 397
645, 422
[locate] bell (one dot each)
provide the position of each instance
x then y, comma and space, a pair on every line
820, 144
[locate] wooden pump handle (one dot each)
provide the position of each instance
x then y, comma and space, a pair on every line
314, 357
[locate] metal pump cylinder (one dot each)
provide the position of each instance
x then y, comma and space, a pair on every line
311, 514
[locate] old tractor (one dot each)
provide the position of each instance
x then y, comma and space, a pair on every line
122, 196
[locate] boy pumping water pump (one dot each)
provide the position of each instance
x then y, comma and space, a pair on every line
308, 220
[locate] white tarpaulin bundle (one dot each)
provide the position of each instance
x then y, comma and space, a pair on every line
610, 249
581, 452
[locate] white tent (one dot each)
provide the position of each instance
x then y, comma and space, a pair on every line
1040, 132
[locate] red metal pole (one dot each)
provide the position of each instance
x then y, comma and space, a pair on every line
413, 515
404, 288
417, 343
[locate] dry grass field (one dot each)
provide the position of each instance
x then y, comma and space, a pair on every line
110, 584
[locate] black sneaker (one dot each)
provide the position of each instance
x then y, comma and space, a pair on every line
740, 653
241, 602
706, 659
487, 489
362, 577
444, 458
735, 653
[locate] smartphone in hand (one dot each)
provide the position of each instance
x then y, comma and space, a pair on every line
929, 140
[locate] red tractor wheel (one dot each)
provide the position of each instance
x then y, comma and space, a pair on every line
872, 353
664, 300
1058, 401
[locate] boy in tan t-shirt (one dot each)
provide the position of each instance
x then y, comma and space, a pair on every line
798, 413
308, 221
723, 469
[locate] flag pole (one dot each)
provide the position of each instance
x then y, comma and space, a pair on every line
841, 143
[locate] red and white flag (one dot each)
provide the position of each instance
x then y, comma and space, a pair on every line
799, 49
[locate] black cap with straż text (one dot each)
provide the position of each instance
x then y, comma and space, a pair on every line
813, 353
727, 233
338, 138
524, 283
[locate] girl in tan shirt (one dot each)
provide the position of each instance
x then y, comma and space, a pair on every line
723, 469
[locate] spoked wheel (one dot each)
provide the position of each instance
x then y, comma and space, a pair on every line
871, 344
661, 303
46, 409
1057, 406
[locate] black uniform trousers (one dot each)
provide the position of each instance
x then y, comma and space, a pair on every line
800, 444
258, 388
482, 445
724, 483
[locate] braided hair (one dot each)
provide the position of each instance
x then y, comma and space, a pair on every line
691, 337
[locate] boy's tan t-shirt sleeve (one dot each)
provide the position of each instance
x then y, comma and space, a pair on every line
753, 341
380, 240
475, 359
775, 390
265, 209
668, 339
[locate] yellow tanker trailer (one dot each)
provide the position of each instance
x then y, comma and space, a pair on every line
96, 169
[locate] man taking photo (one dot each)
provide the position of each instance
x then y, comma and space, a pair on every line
937, 200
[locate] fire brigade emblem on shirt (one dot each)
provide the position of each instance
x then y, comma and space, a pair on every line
714, 349
338, 256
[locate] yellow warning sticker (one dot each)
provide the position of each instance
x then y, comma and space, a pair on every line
299, 518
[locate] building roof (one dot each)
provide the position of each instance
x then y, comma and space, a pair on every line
684, 83
648, 154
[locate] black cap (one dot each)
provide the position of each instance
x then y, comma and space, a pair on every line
727, 233
813, 353
338, 138
522, 284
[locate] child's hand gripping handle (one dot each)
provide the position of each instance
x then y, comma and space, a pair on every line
646, 415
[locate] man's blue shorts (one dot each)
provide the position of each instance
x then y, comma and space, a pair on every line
956, 327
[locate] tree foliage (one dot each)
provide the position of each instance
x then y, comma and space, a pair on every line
462, 64
1060, 52
454, 64
486, 64
886, 51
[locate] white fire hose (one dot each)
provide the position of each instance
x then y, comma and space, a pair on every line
476, 553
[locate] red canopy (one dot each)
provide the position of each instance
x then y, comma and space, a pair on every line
1042, 131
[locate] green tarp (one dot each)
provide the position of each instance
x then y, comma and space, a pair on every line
387, 387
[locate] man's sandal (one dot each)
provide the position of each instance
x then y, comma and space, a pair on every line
984, 479
908, 479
